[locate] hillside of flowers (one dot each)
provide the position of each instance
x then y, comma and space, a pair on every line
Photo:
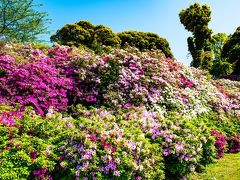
68, 113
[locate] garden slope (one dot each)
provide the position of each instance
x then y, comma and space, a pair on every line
155, 118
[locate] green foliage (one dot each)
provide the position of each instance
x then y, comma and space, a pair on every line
220, 65
85, 33
32, 144
219, 54
218, 40
207, 62
145, 41
21, 21
231, 51
228, 125
40, 46
95, 37
199, 144
104, 35
72, 35
196, 19
110, 75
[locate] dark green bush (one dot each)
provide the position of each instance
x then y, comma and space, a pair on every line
85, 33
94, 37
31, 145
231, 51
145, 41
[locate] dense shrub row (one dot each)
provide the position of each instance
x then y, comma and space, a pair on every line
101, 144
125, 115
84, 33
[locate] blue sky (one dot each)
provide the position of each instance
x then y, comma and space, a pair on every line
158, 16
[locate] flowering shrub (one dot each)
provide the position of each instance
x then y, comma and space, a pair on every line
56, 147
133, 78
29, 148
138, 144
154, 121
7, 118
234, 143
66, 76
38, 83
186, 143
220, 142
102, 149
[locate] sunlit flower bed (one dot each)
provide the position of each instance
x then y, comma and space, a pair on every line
69, 113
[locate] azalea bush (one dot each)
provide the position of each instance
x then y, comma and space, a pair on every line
186, 144
106, 148
37, 82
66, 76
29, 147
234, 143
69, 113
129, 77
42, 148
220, 142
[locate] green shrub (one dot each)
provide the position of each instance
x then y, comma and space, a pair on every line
231, 51
85, 33
145, 41
32, 144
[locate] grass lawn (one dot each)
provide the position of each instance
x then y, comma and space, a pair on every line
227, 168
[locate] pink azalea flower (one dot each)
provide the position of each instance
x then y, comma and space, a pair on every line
179, 146
116, 173
108, 146
166, 151
93, 138
106, 59
127, 105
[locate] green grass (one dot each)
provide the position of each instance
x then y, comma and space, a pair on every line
227, 168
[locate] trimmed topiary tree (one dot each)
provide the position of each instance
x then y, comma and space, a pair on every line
85, 33
145, 41
93, 37
196, 19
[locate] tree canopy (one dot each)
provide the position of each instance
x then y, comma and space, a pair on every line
19, 20
220, 65
87, 34
218, 40
231, 51
145, 41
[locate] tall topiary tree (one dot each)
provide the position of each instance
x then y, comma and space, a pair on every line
231, 51
196, 19
21, 21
